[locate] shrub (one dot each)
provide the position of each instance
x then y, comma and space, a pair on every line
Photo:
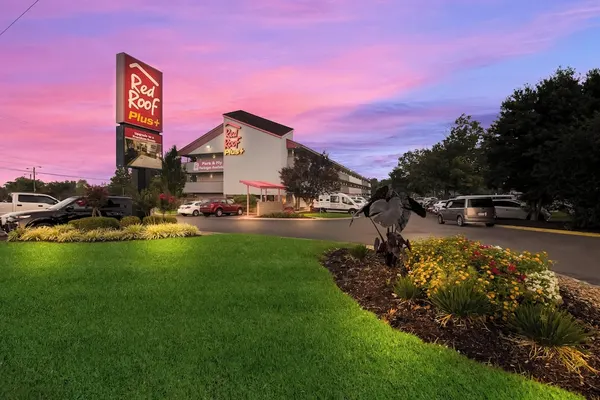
92, 223
102, 235
284, 215
507, 278
15, 235
159, 219
133, 232
406, 289
547, 326
170, 231
359, 251
128, 221
551, 332
241, 199
460, 300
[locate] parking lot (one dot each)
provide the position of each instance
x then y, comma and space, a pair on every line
575, 256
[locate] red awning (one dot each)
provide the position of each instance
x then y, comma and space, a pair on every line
262, 185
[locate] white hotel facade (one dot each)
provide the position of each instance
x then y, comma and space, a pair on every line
246, 147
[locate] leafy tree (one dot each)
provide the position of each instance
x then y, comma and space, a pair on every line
3, 194
61, 190
310, 176
80, 187
146, 201
522, 143
173, 174
121, 184
96, 196
22, 184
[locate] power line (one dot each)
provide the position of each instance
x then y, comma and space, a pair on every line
19, 17
60, 175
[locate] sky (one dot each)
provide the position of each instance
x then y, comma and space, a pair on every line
363, 80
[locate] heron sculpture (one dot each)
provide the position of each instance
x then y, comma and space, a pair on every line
392, 211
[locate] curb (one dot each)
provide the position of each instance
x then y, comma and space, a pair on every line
555, 231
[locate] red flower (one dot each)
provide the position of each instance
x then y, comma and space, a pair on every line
172, 199
492, 263
476, 253
162, 196
495, 271
512, 268
522, 277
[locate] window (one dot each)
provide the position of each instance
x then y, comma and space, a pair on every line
505, 203
335, 199
28, 198
47, 200
457, 204
229, 201
346, 201
481, 202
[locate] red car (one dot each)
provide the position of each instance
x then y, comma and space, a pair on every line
220, 207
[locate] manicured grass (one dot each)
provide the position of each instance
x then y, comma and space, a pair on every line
327, 215
560, 216
219, 317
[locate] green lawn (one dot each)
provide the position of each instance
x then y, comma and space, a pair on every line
560, 216
327, 215
216, 317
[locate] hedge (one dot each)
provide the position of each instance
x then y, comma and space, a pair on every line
91, 223
128, 221
159, 219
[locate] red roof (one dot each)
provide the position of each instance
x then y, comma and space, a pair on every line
262, 185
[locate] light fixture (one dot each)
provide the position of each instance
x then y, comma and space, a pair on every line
208, 146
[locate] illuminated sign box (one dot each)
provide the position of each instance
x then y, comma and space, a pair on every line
233, 140
137, 148
139, 94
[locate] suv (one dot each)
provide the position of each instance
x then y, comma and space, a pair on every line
67, 210
220, 207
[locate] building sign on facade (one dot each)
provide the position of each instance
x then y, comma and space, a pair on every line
208, 165
139, 94
233, 140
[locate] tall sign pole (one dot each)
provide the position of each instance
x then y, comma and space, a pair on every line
139, 118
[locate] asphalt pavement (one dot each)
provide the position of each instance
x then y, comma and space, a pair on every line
575, 256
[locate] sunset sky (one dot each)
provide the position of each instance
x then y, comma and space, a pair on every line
363, 80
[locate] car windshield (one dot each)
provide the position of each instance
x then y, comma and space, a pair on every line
188, 204
482, 202
64, 203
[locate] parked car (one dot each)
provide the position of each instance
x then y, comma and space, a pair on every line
220, 207
336, 202
190, 208
68, 210
514, 209
26, 202
466, 210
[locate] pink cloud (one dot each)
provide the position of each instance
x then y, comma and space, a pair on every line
58, 91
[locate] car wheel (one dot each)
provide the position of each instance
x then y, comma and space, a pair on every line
195, 213
441, 219
351, 211
489, 225
460, 221
240, 211
41, 225
219, 213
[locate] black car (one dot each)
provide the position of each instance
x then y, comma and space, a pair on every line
67, 210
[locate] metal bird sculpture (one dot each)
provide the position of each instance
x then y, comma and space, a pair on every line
392, 211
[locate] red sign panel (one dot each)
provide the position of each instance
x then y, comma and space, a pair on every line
142, 149
208, 165
139, 94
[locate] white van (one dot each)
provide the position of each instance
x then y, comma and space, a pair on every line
337, 202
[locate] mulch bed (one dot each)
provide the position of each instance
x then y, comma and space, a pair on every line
370, 283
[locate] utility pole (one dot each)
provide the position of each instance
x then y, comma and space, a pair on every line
33, 169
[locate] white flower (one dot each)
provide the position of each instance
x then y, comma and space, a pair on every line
386, 213
498, 247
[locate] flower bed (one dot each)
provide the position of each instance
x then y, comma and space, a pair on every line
69, 233
491, 285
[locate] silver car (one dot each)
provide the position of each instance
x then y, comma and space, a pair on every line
466, 210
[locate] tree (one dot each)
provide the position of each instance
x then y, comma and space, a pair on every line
3, 194
96, 197
61, 190
310, 176
22, 184
146, 200
80, 187
173, 174
121, 183
521, 144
